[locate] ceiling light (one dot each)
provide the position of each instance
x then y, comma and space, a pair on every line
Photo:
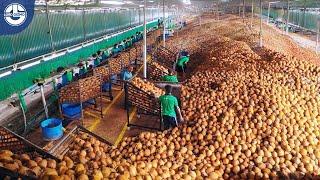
188, 2
112, 2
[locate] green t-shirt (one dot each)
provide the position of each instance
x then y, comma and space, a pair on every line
168, 103
169, 78
69, 76
183, 60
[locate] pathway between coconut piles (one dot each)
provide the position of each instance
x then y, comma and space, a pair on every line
113, 126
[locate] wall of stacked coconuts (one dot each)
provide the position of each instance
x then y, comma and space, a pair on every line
250, 113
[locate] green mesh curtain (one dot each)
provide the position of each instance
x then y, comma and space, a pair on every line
95, 24
307, 19
135, 17
6, 52
67, 28
34, 41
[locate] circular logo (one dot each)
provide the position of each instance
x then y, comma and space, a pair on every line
15, 14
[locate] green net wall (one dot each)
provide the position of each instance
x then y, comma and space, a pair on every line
26, 77
306, 19
6, 51
68, 28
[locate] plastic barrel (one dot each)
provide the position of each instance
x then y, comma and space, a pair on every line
51, 129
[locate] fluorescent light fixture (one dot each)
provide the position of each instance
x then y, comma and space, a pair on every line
151, 1
141, 5
5, 74
112, 2
187, 2
30, 65
128, 2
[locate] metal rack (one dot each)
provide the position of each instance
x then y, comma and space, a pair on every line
81, 92
61, 148
105, 74
154, 73
18, 145
145, 103
165, 56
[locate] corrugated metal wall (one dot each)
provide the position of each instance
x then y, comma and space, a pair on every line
68, 28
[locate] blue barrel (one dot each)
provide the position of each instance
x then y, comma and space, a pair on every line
51, 129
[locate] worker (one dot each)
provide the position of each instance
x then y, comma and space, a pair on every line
170, 77
140, 36
128, 43
96, 60
170, 108
136, 37
122, 45
100, 59
182, 63
102, 56
127, 73
115, 49
83, 68
184, 53
133, 39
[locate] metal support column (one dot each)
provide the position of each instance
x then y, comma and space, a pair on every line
260, 33
139, 17
49, 26
252, 11
44, 100
152, 14
145, 40
84, 24
288, 16
164, 24
158, 11
318, 31
243, 10
268, 13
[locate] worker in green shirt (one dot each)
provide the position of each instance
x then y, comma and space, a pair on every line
170, 77
170, 108
182, 62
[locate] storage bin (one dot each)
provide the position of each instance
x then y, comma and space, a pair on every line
51, 129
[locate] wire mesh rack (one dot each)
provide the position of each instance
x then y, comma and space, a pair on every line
165, 56
62, 148
19, 145
144, 102
105, 74
80, 92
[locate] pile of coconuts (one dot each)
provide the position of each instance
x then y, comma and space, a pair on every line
250, 114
